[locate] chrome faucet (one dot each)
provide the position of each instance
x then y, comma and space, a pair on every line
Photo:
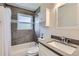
64, 40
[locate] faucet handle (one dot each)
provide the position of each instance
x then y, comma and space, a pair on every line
68, 40
63, 38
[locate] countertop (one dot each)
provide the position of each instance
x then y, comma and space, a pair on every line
45, 41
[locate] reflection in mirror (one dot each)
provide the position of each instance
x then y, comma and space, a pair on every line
67, 15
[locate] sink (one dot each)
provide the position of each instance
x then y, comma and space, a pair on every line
63, 47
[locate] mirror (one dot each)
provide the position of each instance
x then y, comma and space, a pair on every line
67, 15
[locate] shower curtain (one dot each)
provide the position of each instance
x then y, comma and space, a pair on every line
5, 33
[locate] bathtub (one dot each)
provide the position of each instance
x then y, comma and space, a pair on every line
21, 49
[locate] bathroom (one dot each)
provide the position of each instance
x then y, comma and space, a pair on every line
28, 26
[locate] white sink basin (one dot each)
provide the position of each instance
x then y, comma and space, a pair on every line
64, 48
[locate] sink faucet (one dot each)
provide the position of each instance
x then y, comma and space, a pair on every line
64, 40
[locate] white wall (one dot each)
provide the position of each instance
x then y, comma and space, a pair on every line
70, 33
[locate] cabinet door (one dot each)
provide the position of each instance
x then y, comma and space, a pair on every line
43, 51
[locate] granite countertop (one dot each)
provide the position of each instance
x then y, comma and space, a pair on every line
44, 42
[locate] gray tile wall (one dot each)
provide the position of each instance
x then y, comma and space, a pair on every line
20, 36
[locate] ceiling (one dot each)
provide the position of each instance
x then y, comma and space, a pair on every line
28, 6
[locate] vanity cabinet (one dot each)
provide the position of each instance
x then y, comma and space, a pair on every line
43, 51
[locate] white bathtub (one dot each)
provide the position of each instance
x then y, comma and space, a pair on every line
21, 49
